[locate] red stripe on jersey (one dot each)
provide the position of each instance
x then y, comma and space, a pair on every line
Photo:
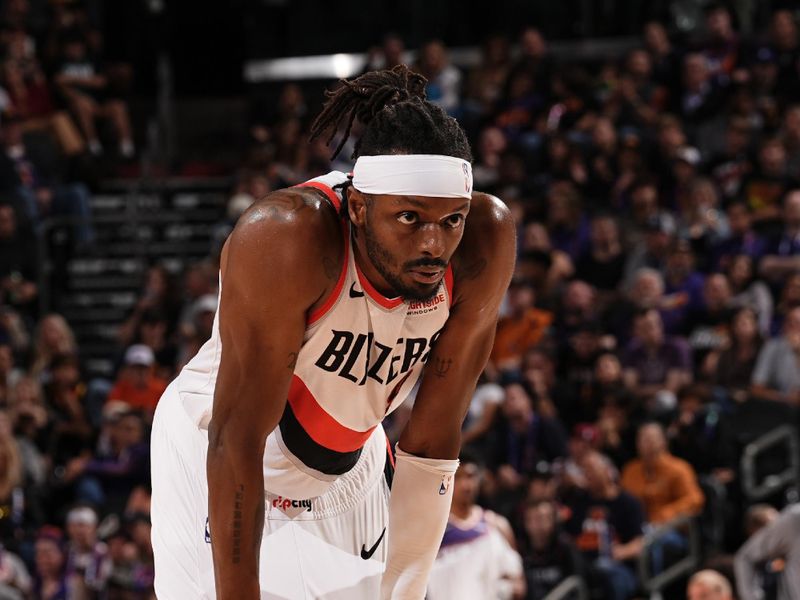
319, 425
389, 451
448, 282
375, 294
325, 189
334, 295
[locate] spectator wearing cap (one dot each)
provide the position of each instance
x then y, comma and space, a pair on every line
666, 485
87, 557
776, 376
656, 366
137, 384
708, 585
521, 328
607, 524
783, 253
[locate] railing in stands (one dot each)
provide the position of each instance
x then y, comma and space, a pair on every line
756, 489
572, 588
654, 583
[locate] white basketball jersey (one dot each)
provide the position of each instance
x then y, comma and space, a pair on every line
362, 354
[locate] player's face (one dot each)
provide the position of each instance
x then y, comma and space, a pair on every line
411, 239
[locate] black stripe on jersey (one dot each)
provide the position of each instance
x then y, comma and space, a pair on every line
310, 453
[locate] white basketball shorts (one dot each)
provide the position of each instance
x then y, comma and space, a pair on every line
329, 547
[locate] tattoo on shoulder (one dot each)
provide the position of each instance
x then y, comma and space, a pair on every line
292, 358
441, 366
237, 524
472, 270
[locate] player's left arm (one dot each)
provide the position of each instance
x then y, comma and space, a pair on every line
430, 443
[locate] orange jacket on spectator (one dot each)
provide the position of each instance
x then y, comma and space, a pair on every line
668, 489
144, 399
516, 335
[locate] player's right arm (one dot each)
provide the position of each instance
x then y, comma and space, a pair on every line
278, 263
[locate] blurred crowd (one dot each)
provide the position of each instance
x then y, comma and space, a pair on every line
651, 331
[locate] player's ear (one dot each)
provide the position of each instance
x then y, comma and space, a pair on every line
356, 206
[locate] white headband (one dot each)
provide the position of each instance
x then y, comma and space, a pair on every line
432, 175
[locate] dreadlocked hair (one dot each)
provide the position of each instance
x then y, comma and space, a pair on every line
397, 118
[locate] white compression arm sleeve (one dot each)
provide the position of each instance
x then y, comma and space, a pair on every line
419, 505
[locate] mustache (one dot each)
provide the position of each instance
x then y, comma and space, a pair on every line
426, 262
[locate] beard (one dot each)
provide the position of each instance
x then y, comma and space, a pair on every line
384, 262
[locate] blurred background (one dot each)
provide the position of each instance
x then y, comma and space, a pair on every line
637, 421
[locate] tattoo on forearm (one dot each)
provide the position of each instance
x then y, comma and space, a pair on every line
237, 524
441, 366
292, 361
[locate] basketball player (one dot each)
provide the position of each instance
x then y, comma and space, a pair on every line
336, 297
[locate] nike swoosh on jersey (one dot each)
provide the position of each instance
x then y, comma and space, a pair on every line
355, 293
367, 554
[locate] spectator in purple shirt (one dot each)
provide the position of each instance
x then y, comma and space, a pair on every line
683, 287
741, 240
109, 479
656, 366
